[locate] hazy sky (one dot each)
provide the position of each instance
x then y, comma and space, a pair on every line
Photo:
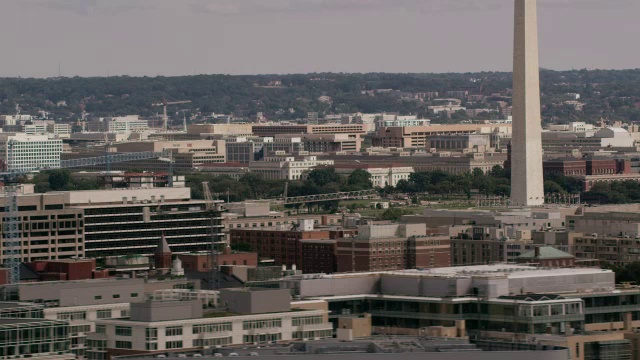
178, 37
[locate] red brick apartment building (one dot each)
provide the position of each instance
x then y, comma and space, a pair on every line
393, 247
311, 250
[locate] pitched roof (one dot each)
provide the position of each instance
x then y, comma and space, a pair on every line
163, 246
546, 253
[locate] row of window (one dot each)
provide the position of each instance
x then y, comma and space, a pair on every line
261, 324
312, 334
307, 320
212, 328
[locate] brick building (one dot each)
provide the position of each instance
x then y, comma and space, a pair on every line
66, 269
547, 256
202, 261
565, 166
318, 256
602, 166
392, 247
618, 250
299, 244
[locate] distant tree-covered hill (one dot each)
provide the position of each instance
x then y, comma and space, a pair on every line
606, 94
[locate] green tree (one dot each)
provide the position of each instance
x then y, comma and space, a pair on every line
59, 179
394, 214
359, 180
322, 177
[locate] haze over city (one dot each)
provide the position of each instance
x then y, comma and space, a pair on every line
338, 180
162, 37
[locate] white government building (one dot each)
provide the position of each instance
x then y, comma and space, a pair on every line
29, 152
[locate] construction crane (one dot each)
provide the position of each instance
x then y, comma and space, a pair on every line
212, 214
12, 220
82, 122
164, 104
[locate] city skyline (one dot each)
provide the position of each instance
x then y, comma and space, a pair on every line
99, 38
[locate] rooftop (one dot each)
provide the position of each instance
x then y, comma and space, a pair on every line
546, 253
511, 271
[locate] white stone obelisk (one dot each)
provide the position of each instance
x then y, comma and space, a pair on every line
527, 184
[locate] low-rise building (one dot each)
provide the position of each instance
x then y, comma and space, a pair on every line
381, 175
579, 308
129, 123
310, 250
547, 256
380, 247
286, 168
272, 130
417, 136
156, 327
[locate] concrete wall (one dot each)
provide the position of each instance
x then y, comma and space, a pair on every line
562, 283
258, 301
425, 286
476, 355
84, 292
116, 195
339, 286
92, 292
149, 311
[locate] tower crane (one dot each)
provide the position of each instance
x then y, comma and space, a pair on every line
164, 104
83, 117
11, 221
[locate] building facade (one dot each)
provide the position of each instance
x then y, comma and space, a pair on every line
22, 152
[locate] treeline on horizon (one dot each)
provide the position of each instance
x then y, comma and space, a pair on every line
609, 94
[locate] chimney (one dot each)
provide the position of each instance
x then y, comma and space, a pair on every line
537, 251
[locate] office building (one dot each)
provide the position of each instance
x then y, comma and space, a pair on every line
405, 347
181, 325
129, 123
185, 154
101, 223
381, 247
131, 221
561, 307
444, 161
286, 167
245, 150
310, 250
34, 338
326, 143
461, 143
418, 136
381, 175
220, 129
273, 130
22, 152
51, 231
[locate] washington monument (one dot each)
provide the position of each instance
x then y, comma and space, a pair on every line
527, 184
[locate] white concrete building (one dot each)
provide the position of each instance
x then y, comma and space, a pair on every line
129, 123
286, 168
176, 325
82, 320
381, 176
405, 122
614, 137
25, 152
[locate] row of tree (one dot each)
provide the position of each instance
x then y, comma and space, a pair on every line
327, 180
